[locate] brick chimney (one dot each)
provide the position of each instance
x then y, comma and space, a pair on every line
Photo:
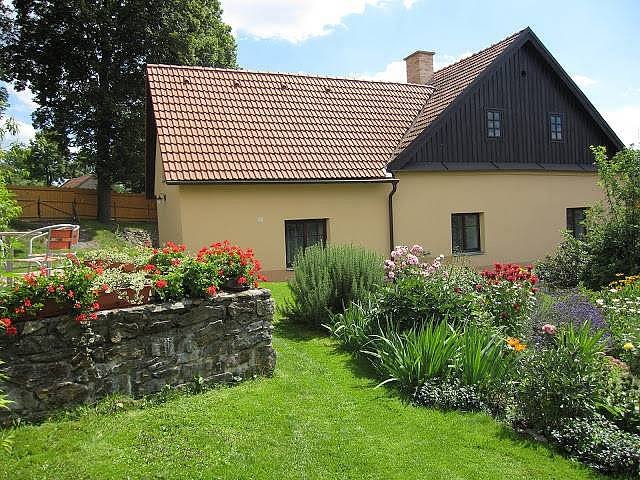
419, 67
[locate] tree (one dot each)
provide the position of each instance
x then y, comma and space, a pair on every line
84, 62
612, 242
42, 162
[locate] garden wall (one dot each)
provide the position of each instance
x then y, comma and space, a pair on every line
56, 363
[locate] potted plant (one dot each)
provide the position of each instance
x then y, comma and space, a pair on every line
118, 289
238, 269
126, 260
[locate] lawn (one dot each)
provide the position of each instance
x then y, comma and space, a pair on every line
319, 416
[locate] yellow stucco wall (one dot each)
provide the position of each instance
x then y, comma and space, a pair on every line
253, 216
169, 212
523, 213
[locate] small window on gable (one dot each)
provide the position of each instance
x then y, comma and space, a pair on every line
575, 221
555, 121
494, 123
465, 232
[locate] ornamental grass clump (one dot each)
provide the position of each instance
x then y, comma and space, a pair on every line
327, 279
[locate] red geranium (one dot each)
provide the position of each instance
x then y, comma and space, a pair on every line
161, 283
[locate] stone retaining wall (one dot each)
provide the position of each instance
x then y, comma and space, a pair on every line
56, 363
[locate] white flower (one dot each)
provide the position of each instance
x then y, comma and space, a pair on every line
600, 301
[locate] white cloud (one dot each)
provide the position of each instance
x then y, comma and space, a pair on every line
625, 122
21, 99
296, 20
583, 81
24, 134
396, 71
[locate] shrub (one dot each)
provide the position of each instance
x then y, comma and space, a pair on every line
485, 359
621, 303
612, 241
9, 208
409, 262
411, 358
6, 438
353, 327
328, 279
621, 403
564, 379
444, 295
508, 297
449, 394
562, 269
599, 444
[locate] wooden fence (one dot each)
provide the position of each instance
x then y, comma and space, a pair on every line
76, 203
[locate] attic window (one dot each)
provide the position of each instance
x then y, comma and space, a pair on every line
494, 123
555, 123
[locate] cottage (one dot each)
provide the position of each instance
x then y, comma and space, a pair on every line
487, 158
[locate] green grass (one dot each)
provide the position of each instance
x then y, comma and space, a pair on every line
318, 417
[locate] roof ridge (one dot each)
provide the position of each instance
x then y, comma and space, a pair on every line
475, 54
295, 74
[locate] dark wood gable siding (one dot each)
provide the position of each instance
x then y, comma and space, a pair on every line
459, 140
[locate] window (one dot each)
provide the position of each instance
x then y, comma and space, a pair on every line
556, 126
575, 221
465, 232
300, 234
494, 124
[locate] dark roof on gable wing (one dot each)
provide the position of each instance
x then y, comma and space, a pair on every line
455, 81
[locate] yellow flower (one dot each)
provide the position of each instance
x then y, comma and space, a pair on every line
629, 346
515, 344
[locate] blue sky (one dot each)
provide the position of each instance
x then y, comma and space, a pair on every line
595, 41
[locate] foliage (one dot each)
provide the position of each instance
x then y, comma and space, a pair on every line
562, 269
6, 438
42, 162
575, 309
412, 357
114, 256
446, 295
233, 263
449, 394
599, 444
326, 279
612, 241
508, 297
71, 287
485, 360
9, 208
353, 327
563, 379
621, 403
114, 280
93, 95
621, 303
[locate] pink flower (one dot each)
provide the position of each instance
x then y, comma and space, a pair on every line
417, 250
412, 259
549, 329
389, 264
391, 275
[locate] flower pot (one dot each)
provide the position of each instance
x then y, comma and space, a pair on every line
125, 267
231, 285
124, 298
51, 308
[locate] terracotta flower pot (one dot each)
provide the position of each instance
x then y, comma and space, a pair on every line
51, 308
232, 285
124, 298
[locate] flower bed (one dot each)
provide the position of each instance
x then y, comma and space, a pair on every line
108, 280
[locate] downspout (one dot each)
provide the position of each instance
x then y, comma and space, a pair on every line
393, 191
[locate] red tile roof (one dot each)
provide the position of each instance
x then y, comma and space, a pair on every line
234, 125
84, 181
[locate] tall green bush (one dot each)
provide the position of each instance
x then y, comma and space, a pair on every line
327, 279
612, 240
563, 267
9, 208
6, 437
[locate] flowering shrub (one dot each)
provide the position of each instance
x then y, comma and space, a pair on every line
70, 289
234, 264
408, 262
621, 303
507, 295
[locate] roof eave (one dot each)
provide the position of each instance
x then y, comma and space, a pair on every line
281, 182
